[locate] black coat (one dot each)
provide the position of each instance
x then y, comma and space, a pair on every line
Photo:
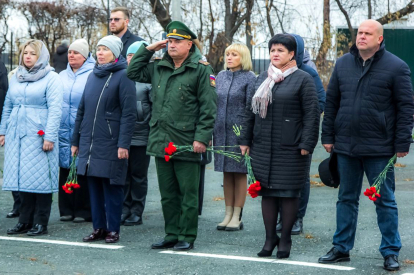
127, 39
369, 112
143, 109
60, 58
99, 132
4, 85
291, 124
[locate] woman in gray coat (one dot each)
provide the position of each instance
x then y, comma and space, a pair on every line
279, 134
233, 85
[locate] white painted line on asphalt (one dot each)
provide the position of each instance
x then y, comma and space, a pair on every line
254, 259
103, 246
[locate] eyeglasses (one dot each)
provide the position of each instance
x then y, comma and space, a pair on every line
114, 19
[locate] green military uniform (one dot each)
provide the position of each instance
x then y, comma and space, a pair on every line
183, 111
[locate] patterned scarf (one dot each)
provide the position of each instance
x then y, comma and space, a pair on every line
263, 95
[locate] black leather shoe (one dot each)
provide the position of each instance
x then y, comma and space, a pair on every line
19, 228
334, 256
297, 227
133, 220
391, 263
96, 235
112, 237
163, 244
37, 230
183, 246
279, 226
13, 214
124, 217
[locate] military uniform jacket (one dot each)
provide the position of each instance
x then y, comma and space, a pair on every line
184, 100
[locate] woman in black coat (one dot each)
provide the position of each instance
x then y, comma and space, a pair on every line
279, 135
102, 135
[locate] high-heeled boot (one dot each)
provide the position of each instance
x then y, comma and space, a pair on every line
227, 218
235, 223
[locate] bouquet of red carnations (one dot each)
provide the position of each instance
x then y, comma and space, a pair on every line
374, 191
72, 180
173, 150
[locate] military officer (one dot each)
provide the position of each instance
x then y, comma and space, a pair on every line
184, 110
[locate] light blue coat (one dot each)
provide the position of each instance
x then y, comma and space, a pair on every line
28, 108
73, 86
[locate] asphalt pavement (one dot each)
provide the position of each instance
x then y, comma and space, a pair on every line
216, 252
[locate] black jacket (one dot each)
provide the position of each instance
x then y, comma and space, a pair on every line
369, 111
127, 39
60, 58
4, 85
144, 104
291, 124
105, 122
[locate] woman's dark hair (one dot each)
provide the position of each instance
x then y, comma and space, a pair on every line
284, 39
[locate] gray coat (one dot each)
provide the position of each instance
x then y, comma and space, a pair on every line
232, 89
144, 103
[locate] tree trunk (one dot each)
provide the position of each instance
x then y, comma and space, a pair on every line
268, 18
163, 15
321, 63
249, 36
369, 9
348, 21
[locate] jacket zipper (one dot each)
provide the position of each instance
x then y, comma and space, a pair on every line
110, 130
96, 113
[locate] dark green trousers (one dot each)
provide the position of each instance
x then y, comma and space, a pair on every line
178, 181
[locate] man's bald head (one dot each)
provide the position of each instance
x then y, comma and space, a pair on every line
374, 24
369, 37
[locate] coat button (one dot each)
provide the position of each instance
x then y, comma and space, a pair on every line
158, 86
183, 127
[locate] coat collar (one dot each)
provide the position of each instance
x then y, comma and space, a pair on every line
354, 51
126, 36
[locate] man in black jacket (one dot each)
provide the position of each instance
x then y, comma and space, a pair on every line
4, 85
118, 25
368, 118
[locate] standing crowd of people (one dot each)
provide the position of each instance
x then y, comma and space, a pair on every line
117, 109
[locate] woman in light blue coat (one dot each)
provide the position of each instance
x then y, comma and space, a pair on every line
74, 206
29, 131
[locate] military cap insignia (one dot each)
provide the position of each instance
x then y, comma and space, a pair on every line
174, 30
212, 80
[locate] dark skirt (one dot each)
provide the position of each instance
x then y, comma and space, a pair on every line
280, 193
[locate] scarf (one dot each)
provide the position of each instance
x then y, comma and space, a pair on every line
263, 96
38, 71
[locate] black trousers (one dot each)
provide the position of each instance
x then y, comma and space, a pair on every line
17, 202
136, 184
106, 203
78, 203
35, 208
201, 189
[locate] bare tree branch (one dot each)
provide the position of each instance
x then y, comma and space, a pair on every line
388, 18
348, 21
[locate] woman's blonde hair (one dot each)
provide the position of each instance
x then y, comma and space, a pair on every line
246, 59
35, 44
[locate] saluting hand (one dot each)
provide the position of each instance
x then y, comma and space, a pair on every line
158, 45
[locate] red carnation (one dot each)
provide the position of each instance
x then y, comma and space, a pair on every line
76, 186
170, 149
254, 188
41, 133
167, 158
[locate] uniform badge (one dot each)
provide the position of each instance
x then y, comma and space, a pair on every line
212, 80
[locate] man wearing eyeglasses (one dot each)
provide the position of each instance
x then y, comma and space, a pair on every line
118, 25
